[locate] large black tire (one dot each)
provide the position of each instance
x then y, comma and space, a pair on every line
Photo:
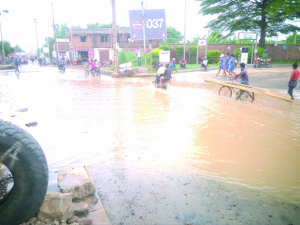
26, 161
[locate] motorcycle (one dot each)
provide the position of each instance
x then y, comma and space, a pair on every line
61, 67
166, 83
258, 61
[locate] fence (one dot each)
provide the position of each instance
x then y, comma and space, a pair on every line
279, 53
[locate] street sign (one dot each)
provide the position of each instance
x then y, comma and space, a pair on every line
244, 57
202, 42
164, 57
284, 47
155, 24
247, 36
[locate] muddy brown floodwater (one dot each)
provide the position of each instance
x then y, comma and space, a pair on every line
177, 156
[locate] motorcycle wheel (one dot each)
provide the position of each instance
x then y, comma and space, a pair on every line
25, 160
267, 65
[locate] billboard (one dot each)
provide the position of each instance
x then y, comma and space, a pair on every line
155, 24
164, 56
247, 36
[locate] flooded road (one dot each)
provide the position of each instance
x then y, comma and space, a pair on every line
177, 156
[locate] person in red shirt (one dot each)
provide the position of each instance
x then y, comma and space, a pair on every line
93, 65
293, 80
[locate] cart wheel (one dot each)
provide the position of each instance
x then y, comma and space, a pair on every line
225, 91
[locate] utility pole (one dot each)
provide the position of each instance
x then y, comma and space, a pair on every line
185, 30
114, 33
37, 42
143, 18
66, 40
54, 35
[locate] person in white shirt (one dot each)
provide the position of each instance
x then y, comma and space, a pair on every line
138, 55
204, 63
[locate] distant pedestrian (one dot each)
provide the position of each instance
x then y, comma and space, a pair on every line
232, 64
221, 62
68, 62
204, 63
292, 83
227, 64
79, 59
138, 55
173, 65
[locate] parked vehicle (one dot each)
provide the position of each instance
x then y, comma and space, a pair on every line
260, 61
22, 56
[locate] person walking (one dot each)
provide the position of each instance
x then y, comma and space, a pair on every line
68, 62
138, 55
232, 64
221, 62
292, 83
227, 64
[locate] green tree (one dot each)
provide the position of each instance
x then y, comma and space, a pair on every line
179, 51
61, 31
291, 39
78, 26
17, 48
285, 6
155, 54
213, 56
173, 35
7, 48
193, 52
49, 42
97, 25
248, 15
165, 47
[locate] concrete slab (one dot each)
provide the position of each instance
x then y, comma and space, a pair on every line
78, 181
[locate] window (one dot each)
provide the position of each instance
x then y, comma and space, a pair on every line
118, 38
104, 38
83, 39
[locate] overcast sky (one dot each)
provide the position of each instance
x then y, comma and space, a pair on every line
18, 25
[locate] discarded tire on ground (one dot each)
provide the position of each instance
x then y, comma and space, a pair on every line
24, 158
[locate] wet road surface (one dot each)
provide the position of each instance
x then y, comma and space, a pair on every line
177, 156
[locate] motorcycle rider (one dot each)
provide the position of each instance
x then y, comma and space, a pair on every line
265, 57
17, 63
167, 74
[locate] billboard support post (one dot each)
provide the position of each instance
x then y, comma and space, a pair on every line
197, 51
144, 36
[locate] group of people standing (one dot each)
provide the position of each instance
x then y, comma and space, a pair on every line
227, 64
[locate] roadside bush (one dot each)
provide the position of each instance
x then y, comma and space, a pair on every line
193, 52
179, 51
126, 56
213, 56
260, 51
155, 54
165, 47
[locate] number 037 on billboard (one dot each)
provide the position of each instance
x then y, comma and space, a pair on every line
155, 24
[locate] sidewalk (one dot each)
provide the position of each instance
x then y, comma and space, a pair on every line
103, 71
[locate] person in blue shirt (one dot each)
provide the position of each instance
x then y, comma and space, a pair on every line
221, 62
227, 64
231, 66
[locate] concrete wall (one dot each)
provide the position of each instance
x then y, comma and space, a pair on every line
276, 53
